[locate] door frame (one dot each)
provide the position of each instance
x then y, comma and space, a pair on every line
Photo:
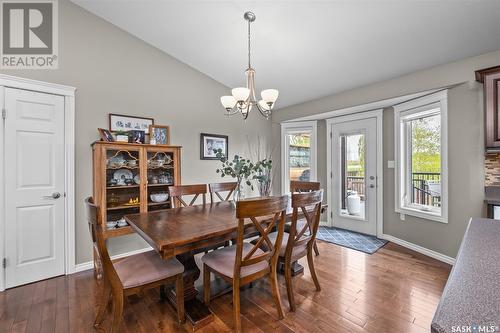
8, 81
378, 115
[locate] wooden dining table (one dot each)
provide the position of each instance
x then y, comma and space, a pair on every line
180, 232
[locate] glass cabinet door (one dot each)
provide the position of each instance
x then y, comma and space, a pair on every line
160, 175
123, 185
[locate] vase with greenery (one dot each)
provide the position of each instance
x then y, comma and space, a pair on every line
240, 168
262, 173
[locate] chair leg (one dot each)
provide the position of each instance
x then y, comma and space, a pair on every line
104, 297
273, 279
179, 291
289, 285
316, 248
117, 311
310, 263
236, 306
206, 284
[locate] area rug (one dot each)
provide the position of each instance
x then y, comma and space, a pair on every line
353, 240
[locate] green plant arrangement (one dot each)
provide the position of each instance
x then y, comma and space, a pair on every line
262, 173
244, 169
239, 168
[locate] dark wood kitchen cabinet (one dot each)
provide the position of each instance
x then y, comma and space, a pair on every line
490, 78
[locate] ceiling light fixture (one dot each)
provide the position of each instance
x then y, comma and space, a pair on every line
243, 99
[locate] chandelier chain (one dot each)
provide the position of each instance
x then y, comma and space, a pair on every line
249, 64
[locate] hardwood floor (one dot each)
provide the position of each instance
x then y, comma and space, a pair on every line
394, 290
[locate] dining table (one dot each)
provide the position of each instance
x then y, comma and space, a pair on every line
181, 232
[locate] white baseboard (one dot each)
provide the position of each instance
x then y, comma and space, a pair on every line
90, 265
419, 249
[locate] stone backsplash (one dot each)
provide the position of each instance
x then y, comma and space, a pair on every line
492, 170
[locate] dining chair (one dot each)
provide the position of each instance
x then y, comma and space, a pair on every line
217, 189
243, 263
301, 187
177, 193
130, 275
297, 186
299, 241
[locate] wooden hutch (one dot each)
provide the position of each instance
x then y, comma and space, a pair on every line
127, 176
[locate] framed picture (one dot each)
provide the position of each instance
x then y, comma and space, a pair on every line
210, 142
159, 135
106, 135
137, 136
120, 122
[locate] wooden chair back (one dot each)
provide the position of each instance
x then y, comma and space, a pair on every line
177, 192
99, 243
218, 188
304, 238
300, 186
265, 214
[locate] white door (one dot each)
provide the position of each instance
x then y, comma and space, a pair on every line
354, 175
34, 178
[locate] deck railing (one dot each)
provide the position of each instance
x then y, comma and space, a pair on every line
422, 193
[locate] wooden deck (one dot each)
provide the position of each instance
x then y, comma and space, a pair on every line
394, 290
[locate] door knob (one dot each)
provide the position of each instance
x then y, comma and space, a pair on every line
55, 195
372, 186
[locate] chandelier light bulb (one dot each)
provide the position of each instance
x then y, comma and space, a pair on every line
269, 95
264, 105
241, 94
228, 102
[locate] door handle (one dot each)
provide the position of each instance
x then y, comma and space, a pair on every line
372, 186
55, 195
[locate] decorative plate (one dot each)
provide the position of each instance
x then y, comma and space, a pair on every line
137, 179
122, 174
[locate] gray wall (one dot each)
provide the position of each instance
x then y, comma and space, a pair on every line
465, 145
115, 72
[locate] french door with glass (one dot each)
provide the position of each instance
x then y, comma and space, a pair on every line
354, 173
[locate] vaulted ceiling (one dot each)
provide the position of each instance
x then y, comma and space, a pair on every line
309, 49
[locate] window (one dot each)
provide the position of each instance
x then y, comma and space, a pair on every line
298, 146
421, 157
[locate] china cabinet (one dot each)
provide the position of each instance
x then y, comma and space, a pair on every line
132, 178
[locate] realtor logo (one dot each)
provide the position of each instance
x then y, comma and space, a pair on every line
29, 34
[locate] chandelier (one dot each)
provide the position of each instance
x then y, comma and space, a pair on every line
243, 99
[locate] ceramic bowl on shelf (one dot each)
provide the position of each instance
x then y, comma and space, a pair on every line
121, 222
159, 197
111, 224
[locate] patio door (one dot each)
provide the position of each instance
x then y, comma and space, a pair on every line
355, 173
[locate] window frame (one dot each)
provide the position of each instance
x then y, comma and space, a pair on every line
403, 113
292, 128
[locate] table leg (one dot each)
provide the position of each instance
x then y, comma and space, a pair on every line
297, 268
197, 313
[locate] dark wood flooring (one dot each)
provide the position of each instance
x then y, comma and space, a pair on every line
394, 290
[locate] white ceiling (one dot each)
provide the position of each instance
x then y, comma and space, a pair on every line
309, 49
